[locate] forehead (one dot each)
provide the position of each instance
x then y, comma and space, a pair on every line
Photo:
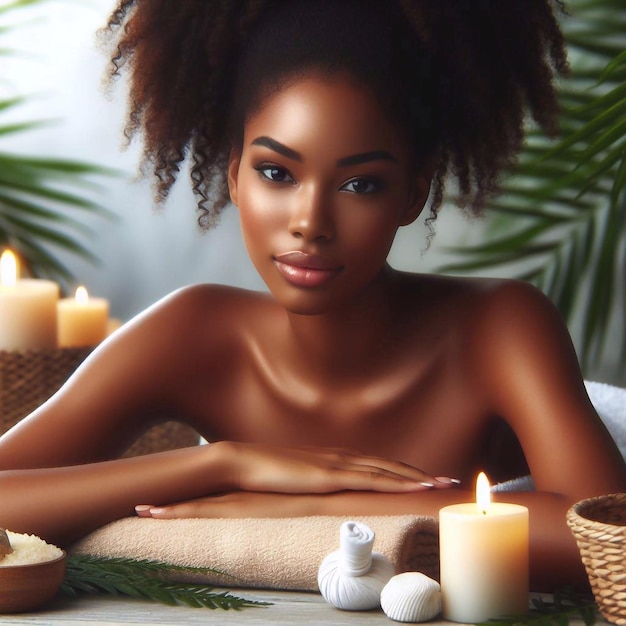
332, 114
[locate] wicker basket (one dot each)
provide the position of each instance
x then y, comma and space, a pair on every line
599, 526
28, 378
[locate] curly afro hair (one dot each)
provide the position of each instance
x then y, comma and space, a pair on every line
458, 75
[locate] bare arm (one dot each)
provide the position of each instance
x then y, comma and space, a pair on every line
523, 356
59, 476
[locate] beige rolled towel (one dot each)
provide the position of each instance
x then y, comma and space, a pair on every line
262, 553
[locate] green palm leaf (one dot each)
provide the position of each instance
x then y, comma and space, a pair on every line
563, 207
43, 200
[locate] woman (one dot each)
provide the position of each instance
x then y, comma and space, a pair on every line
327, 123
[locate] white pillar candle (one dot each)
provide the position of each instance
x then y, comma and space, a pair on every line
27, 309
483, 558
82, 321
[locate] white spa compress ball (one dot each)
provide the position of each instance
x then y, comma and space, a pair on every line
352, 577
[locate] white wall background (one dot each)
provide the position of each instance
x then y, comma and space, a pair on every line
144, 255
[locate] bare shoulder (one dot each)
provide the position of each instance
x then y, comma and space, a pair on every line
201, 312
209, 299
482, 302
499, 324
515, 339
512, 324
134, 378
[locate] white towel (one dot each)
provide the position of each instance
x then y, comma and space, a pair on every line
610, 403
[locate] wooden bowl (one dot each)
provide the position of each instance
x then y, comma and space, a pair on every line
24, 588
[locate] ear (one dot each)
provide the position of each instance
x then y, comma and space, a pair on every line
234, 160
417, 199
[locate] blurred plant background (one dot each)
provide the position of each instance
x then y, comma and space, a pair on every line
42, 200
561, 221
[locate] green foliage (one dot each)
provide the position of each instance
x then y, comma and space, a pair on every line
144, 580
561, 219
566, 605
42, 200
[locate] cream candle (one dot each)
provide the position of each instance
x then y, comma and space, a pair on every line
113, 324
82, 321
483, 558
27, 308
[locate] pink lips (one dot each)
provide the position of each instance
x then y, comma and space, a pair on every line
306, 270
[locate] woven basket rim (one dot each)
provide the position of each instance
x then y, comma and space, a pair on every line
51, 351
576, 512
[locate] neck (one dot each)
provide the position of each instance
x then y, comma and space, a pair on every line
348, 340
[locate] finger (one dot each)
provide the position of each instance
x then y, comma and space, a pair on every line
445, 481
143, 510
360, 480
175, 511
396, 467
417, 476
404, 470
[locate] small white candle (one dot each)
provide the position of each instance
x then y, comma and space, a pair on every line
82, 321
27, 309
483, 558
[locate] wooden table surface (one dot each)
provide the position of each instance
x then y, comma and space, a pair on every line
288, 608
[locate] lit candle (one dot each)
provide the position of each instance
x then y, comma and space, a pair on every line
113, 325
483, 558
82, 321
27, 308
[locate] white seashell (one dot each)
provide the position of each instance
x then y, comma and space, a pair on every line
411, 597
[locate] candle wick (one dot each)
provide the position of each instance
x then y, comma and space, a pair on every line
484, 511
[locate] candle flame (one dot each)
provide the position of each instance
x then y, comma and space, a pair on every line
82, 297
483, 493
8, 268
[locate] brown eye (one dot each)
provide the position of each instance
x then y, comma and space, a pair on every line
361, 185
274, 173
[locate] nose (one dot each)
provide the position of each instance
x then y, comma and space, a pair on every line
311, 218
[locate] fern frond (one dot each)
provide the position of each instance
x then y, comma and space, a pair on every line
146, 580
566, 605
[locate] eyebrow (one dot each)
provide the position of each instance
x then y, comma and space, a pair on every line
355, 159
365, 157
276, 146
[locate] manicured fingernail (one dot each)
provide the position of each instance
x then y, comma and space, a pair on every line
156, 511
429, 485
142, 508
447, 480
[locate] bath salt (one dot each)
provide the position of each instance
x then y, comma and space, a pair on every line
28, 550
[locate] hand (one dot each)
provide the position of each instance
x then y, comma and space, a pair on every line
250, 504
257, 467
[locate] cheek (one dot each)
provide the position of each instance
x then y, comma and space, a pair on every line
259, 214
372, 233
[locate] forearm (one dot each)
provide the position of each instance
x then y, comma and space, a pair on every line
61, 504
554, 557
